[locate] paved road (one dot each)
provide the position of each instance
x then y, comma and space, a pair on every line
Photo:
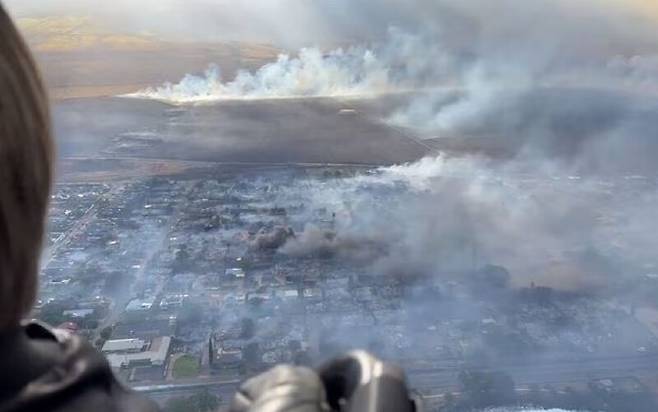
162, 242
555, 372
161, 392
224, 391
444, 377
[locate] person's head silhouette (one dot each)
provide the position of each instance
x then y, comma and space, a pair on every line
40, 369
25, 172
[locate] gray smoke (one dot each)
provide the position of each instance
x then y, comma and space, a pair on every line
443, 216
272, 239
326, 243
571, 81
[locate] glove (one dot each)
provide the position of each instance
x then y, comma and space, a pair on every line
283, 388
355, 382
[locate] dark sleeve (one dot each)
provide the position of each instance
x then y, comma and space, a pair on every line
96, 389
81, 380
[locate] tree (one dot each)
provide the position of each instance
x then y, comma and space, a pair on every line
247, 328
448, 400
88, 322
106, 332
205, 401
177, 405
53, 313
182, 260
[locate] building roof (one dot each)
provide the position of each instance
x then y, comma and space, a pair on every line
235, 272
288, 293
229, 356
78, 313
140, 304
143, 329
156, 355
159, 349
122, 345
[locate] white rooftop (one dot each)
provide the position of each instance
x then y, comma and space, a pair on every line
235, 272
78, 313
140, 304
121, 345
156, 355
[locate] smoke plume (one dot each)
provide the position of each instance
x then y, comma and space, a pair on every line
567, 80
455, 215
341, 72
486, 50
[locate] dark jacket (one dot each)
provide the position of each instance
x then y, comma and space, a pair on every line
49, 370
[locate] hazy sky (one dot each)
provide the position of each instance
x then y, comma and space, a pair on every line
304, 22
287, 22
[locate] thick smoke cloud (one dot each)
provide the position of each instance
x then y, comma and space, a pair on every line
361, 248
442, 219
403, 61
564, 79
540, 39
570, 85
339, 73
456, 215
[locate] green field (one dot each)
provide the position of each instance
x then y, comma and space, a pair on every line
186, 367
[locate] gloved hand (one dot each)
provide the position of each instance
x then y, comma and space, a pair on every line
283, 388
355, 382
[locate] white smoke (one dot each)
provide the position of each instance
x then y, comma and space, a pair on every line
471, 68
403, 61
637, 69
535, 219
481, 93
354, 71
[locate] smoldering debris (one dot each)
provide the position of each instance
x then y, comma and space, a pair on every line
326, 243
272, 239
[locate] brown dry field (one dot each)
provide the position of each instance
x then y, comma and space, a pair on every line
76, 74
94, 170
80, 59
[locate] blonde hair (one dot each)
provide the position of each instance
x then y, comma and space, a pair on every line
26, 155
